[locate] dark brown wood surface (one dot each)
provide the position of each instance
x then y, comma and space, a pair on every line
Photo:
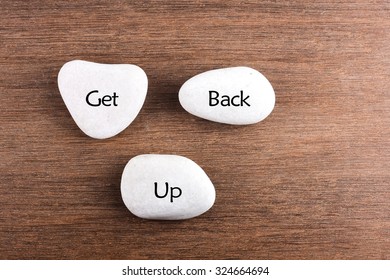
312, 181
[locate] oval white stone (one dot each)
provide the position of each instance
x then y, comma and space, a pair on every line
245, 96
166, 174
119, 89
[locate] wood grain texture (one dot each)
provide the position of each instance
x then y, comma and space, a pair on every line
311, 181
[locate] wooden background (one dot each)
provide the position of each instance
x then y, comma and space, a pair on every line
309, 182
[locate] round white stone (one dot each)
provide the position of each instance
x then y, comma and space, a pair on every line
233, 85
127, 82
166, 174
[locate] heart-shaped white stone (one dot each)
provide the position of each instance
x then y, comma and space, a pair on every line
235, 95
166, 187
103, 99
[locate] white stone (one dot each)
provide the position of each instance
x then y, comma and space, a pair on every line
183, 189
245, 96
103, 99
